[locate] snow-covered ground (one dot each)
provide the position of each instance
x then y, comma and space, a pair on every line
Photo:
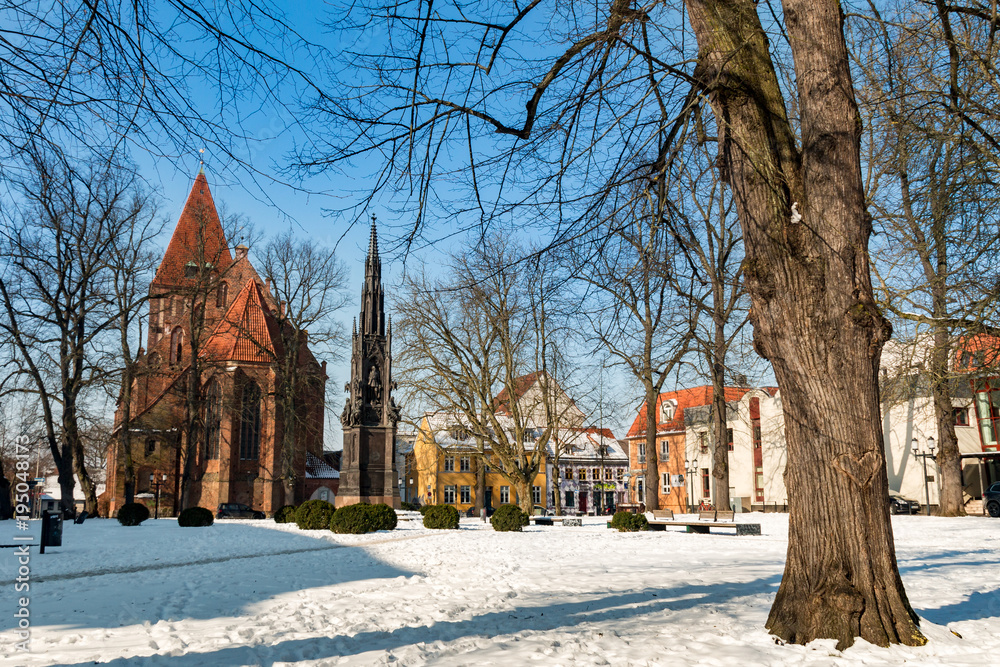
258, 593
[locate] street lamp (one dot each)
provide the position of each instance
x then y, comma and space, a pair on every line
923, 455
156, 484
691, 468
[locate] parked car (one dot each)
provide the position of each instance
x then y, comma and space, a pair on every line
237, 511
538, 510
991, 500
900, 505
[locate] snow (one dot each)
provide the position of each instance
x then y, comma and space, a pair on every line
260, 593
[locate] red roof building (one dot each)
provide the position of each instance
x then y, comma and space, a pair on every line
211, 315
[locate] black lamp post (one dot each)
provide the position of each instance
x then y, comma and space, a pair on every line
923, 455
691, 468
156, 484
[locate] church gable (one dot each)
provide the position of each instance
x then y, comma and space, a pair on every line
248, 332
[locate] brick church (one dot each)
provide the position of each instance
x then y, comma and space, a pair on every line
213, 321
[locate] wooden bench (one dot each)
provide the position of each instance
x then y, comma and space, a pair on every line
706, 519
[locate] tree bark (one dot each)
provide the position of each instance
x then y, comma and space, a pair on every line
813, 312
720, 467
949, 460
652, 462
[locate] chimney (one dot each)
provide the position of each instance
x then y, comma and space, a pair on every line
281, 307
241, 251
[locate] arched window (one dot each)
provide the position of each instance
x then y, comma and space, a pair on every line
213, 420
250, 422
176, 345
222, 297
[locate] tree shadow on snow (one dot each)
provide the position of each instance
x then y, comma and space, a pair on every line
202, 588
979, 605
546, 618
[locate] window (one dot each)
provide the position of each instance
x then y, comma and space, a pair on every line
504, 495
536, 494
640, 490
609, 474
176, 345
703, 442
250, 422
465, 494
213, 420
570, 500
620, 474
190, 270
706, 486
596, 474
449, 464
464, 464
667, 410
642, 453
150, 447
449, 494
729, 438
756, 436
961, 416
582, 474
664, 450
665, 482
567, 473
222, 296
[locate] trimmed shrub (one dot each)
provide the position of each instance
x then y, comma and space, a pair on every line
195, 517
314, 515
626, 522
285, 514
354, 520
423, 509
409, 507
385, 516
441, 516
509, 518
132, 514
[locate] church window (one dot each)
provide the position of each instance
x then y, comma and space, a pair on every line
222, 297
250, 422
176, 345
213, 420
150, 447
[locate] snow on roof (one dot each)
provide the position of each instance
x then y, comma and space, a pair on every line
317, 468
586, 443
451, 430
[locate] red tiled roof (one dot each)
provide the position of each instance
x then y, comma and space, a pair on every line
248, 331
686, 398
521, 385
977, 352
198, 236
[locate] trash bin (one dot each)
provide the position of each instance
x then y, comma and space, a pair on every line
52, 528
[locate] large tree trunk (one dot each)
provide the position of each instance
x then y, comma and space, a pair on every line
652, 462
6, 506
813, 312
720, 467
950, 502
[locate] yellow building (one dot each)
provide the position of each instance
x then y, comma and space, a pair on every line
445, 462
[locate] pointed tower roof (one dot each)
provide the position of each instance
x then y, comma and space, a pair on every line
372, 297
198, 237
248, 332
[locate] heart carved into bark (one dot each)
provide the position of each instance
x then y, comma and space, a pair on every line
860, 470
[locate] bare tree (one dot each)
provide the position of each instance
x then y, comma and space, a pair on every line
55, 288
469, 341
934, 198
634, 311
310, 284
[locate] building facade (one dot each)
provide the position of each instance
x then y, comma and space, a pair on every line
204, 421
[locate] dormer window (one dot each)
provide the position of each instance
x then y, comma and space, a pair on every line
667, 410
190, 270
